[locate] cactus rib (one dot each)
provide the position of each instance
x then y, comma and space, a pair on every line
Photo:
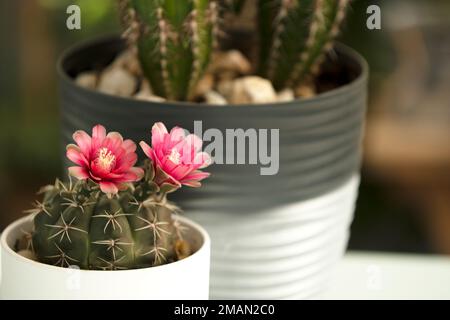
76, 224
294, 34
174, 43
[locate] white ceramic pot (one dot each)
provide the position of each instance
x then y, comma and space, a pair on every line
287, 253
22, 278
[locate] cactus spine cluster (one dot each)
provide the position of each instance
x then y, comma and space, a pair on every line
174, 39
294, 35
77, 224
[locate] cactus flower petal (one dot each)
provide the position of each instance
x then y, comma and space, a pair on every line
108, 187
197, 175
104, 158
75, 155
129, 146
177, 134
159, 131
83, 141
176, 156
78, 172
99, 132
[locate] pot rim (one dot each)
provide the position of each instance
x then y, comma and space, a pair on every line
341, 90
206, 244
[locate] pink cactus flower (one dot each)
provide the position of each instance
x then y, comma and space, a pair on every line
177, 156
106, 159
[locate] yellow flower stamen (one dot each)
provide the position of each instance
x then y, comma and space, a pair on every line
105, 159
175, 156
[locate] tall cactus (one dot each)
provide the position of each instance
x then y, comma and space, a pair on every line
174, 40
233, 5
294, 35
77, 224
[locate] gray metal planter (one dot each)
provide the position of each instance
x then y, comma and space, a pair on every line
319, 137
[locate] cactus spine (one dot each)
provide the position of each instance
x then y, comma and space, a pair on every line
294, 35
174, 39
77, 224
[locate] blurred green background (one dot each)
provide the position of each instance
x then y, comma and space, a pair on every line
405, 195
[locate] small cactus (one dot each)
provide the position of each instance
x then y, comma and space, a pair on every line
115, 216
174, 39
294, 35
77, 224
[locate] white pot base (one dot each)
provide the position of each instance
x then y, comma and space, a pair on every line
279, 254
26, 279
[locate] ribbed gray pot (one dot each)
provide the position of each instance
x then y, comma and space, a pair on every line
320, 138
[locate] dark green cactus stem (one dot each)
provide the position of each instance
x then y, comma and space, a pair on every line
295, 35
174, 40
76, 224
233, 5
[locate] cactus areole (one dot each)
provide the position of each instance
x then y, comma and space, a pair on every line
116, 216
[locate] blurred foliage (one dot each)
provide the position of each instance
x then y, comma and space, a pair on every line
29, 119
374, 45
16, 130
94, 13
97, 17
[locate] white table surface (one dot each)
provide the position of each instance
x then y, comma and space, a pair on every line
363, 275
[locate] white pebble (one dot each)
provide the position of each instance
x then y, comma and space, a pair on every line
212, 97
117, 81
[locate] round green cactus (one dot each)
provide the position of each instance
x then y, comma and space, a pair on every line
78, 225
